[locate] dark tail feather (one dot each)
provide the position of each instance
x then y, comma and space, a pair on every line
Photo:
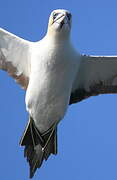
38, 146
50, 146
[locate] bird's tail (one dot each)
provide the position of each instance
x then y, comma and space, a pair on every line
38, 147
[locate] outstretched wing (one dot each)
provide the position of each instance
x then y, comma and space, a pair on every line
96, 75
14, 59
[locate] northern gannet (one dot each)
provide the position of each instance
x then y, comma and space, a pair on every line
54, 76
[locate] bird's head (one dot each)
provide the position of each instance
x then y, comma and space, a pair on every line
60, 23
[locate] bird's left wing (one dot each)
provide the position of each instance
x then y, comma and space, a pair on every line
14, 52
96, 75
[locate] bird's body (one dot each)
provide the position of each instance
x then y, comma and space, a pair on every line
50, 84
54, 75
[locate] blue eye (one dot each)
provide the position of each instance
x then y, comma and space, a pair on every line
55, 15
69, 16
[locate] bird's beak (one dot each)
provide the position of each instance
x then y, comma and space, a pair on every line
62, 19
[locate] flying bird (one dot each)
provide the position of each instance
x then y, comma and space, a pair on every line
54, 76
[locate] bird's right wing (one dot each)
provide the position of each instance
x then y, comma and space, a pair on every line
96, 75
14, 57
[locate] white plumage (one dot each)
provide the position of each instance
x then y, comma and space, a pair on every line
54, 75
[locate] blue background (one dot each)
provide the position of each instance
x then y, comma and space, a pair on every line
87, 137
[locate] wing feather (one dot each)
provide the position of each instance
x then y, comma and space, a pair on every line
14, 57
96, 75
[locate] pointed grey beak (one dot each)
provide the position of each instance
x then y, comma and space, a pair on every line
63, 19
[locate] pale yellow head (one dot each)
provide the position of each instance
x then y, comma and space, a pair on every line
59, 23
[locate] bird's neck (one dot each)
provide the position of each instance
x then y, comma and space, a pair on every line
58, 36
58, 40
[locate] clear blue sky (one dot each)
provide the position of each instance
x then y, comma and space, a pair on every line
87, 137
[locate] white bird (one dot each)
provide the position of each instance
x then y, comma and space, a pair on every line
54, 75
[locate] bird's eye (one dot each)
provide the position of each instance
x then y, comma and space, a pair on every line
69, 16
55, 15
